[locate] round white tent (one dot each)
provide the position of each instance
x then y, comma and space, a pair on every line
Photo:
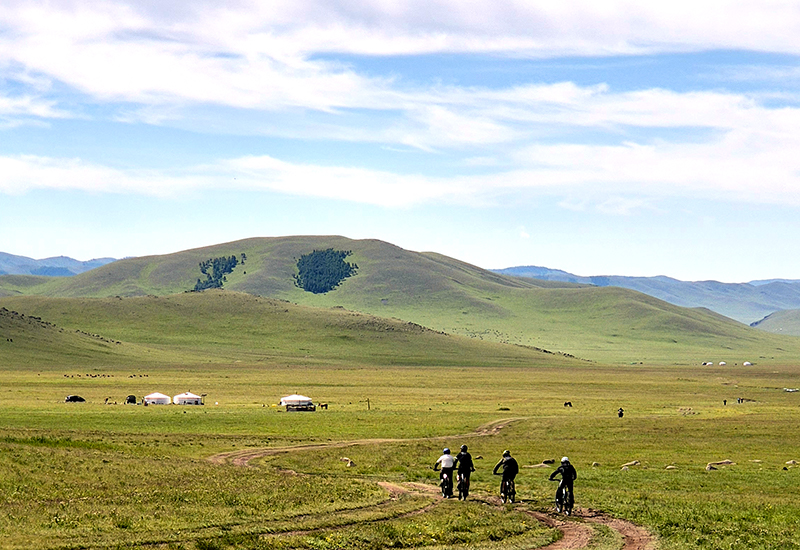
297, 403
157, 399
187, 398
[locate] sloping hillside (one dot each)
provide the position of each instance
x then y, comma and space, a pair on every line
27, 340
598, 323
224, 326
743, 302
781, 322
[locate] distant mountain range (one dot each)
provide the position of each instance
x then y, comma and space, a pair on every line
745, 302
60, 266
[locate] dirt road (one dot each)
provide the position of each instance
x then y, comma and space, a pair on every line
576, 530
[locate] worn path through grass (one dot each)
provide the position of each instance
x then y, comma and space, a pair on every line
574, 534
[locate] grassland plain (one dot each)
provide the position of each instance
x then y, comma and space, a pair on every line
444, 294
93, 475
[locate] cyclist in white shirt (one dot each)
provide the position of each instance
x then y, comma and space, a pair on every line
447, 463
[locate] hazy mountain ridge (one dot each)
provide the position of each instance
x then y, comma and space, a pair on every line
58, 266
745, 302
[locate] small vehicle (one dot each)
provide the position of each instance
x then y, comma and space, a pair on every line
564, 499
446, 484
463, 487
508, 491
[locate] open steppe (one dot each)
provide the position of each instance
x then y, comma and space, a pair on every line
239, 472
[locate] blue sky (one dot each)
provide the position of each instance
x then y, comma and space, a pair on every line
595, 137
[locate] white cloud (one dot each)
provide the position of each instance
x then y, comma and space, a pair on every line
23, 173
618, 179
258, 55
27, 105
160, 58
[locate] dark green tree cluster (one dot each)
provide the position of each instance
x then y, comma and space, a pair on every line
215, 270
322, 270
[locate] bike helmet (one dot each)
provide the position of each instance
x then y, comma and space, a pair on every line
446, 451
464, 448
506, 453
564, 460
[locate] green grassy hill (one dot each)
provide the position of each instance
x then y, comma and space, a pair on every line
781, 322
228, 327
27, 340
604, 324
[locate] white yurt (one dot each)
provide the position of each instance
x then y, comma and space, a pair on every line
297, 403
187, 398
157, 399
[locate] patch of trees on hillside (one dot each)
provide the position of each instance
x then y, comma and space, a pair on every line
215, 270
322, 270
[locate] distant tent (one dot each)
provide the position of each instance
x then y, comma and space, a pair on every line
297, 403
130, 400
187, 398
74, 399
157, 399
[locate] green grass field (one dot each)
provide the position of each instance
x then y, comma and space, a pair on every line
96, 475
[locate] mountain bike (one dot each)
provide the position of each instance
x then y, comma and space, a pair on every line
508, 490
463, 486
446, 484
564, 499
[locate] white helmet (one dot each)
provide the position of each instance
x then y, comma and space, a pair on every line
564, 460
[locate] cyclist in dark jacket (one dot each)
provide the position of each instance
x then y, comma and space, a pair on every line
568, 476
464, 462
510, 468
465, 468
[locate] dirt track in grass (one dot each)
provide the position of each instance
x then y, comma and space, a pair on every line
576, 530
245, 456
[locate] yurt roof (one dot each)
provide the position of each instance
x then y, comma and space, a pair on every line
156, 395
295, 399
188, 395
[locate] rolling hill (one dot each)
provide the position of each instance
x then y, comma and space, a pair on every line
743, 302
607, 324
27, 340
781, 322
230, 327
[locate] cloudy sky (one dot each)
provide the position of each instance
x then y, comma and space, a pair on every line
615, 137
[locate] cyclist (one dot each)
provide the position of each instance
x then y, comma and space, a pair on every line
568, 476
447, 462
465, 468
510, 470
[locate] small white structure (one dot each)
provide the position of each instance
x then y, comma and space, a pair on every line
157, 399
187, 398
297, 403
747, 364
722, 363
